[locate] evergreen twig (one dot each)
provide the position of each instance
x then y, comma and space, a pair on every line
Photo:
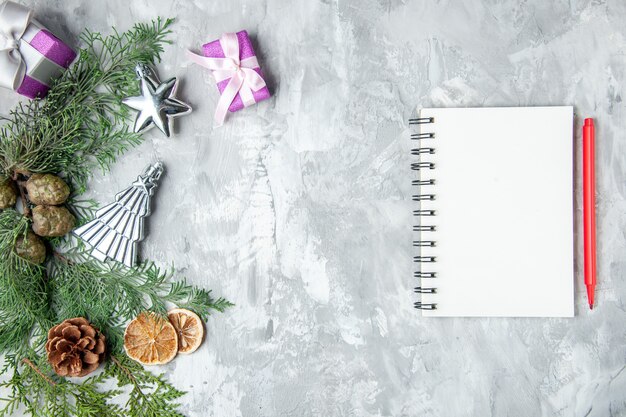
41, 374
79, 127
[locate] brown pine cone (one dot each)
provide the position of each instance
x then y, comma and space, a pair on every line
30, 248
52, 221
8, 194
75, 347
47, 189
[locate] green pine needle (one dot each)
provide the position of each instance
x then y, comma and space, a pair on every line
80, 127
35, 389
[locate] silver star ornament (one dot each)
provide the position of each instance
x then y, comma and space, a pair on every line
156, 104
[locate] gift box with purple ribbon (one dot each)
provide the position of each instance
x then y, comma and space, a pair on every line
237, 72
31, 57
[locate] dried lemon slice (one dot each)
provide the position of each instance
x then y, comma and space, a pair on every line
189, 329
150, 339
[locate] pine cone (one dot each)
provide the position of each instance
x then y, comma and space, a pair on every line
8, 194
47, 189
30, 248
75, 347
52, 221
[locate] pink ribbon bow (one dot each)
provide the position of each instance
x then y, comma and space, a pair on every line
243, 78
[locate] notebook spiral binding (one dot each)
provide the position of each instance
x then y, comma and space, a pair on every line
421, 212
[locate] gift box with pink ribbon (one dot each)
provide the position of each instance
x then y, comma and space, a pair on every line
236, 70
31, 57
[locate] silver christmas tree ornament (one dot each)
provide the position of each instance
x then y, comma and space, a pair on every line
117, 228
156, 104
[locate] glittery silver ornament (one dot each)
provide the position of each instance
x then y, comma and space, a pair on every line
117, 228
156, 104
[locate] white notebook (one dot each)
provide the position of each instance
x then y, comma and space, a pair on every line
494, 227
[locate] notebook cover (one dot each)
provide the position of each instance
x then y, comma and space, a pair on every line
504, 212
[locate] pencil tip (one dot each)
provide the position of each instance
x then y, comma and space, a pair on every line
590, 306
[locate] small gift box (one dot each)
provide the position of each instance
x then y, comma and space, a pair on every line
31, 57
237, 72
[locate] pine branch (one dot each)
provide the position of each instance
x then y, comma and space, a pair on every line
41, 374
159, 401
36, 390
83, 287
79, 125
23, 290
196, 299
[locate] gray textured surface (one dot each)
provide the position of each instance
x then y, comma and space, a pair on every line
298, 209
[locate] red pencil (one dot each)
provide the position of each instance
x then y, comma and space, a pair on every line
589, 208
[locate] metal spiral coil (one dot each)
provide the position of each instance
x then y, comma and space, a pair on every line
422, 228
424, 259
419, 274
422, 151
421, 120
423, 197
423, 212
419, 183
416, 166
420, 136
425, 306
422, 166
